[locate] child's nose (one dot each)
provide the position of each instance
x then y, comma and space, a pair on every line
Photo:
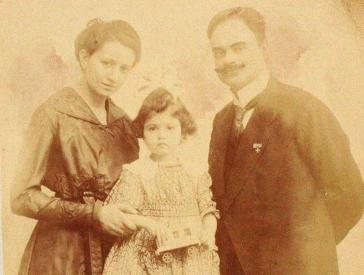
162, 133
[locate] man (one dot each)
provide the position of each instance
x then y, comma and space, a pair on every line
283, 176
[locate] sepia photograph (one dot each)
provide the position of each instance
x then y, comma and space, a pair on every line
182, 137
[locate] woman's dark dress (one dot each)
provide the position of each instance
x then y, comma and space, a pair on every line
70, 152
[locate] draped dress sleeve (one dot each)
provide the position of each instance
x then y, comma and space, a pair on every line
27, 197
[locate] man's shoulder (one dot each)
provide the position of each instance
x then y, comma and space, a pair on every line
220, 114
286, 96
291, 101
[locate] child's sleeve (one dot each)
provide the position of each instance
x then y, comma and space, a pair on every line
204, 196
128, 189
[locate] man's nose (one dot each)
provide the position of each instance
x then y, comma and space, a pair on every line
230, 57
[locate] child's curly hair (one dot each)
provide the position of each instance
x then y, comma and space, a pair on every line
158, 101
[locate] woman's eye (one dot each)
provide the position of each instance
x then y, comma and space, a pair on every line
170, 127
124, 69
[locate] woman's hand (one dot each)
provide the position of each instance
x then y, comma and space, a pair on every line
113, 220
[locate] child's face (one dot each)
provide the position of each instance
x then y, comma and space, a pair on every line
162, 134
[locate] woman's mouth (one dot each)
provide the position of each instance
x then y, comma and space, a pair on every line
108, 87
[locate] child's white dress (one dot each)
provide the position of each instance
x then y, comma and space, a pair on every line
168, 194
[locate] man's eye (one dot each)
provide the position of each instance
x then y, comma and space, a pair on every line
238, 49
106, 63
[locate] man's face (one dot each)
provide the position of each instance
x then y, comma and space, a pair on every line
238, 55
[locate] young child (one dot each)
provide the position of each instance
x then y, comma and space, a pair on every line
167, 193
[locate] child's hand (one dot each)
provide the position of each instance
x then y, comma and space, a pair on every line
207, 239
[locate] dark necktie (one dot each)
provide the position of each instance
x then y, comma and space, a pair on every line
240, 112
238, 126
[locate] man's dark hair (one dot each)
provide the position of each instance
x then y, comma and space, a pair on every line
251, 17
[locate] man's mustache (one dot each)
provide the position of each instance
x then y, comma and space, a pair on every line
229, 68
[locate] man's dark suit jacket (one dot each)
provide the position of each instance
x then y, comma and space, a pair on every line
286, 206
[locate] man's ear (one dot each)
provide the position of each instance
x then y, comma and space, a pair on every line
83, 57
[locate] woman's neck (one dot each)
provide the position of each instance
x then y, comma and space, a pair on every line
93, 100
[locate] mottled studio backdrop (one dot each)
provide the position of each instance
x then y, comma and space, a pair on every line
314, 44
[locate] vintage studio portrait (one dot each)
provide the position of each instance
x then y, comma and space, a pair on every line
182, 137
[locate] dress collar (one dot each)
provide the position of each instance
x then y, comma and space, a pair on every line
69, 102
147, 168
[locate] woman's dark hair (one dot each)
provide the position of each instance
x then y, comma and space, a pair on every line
158, 101
98, 32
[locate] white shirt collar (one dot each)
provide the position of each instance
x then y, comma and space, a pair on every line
247, 93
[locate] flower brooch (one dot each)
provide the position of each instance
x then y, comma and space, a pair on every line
257, 147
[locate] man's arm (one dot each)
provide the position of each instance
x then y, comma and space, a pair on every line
326, 150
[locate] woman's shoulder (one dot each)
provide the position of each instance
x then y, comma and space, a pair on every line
61, 97
59, 100
46, 112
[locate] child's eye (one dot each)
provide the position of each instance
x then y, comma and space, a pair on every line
152, 128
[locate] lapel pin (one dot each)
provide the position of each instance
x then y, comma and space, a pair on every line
257, 147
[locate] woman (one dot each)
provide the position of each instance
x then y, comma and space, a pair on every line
76, 145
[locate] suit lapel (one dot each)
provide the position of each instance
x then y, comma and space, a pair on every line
257, 134
220, 141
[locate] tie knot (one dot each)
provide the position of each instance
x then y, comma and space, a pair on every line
239, 112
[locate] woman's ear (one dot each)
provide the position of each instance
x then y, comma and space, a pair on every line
184, 138
83, 57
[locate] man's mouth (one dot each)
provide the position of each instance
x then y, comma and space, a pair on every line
230, 70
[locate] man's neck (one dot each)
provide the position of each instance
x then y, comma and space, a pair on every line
252, 89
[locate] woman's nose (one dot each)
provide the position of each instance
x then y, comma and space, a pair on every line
114, 74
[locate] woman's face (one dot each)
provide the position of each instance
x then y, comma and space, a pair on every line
107, 68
